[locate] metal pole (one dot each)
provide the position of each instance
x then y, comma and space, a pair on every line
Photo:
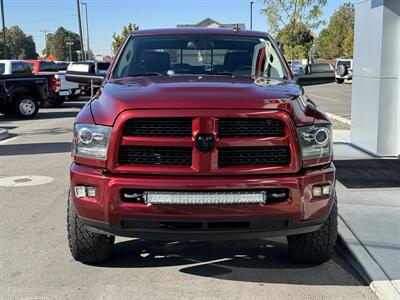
4, 30
87, 26
251, 15
70, 50
45, 41
80, 29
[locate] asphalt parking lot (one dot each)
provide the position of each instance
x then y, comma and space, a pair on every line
334, 98
36, 263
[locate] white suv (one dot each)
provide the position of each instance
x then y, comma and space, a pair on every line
344, 70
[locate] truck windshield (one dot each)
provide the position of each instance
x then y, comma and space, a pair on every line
199, 55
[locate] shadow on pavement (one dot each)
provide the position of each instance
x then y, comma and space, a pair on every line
49, 112
251, 261
44, 115
36, 148
56, 114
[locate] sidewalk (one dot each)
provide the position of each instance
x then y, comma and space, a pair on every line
3, 134
369, 226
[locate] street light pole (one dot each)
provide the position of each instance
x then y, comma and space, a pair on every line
80, 29
45, 41
251, 15
87, 27
4, 30
69, 44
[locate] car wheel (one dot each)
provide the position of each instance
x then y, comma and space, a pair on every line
25, 107
74, 97
86, 246
339, 80
316, 247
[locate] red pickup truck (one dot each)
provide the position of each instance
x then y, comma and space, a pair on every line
202, 134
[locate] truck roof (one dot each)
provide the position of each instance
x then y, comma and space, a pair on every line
191, 30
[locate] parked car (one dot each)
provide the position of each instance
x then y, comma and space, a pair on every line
296, 67
13, 66
21, 94
61, 88
228, 148
344, 70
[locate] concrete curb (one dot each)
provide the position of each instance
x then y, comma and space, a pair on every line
339, 118
4, 134
366, 265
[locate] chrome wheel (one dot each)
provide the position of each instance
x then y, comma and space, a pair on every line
27, 107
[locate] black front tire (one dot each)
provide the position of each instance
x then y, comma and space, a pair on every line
316, 247
5, 111
25, 107
74, 97
56, 101
86, 246
339, 80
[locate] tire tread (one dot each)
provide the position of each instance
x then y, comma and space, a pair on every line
316, 247
86, 246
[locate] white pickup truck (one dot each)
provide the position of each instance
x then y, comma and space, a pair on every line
13, 66
68, 89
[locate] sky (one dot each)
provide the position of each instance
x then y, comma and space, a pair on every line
108, 16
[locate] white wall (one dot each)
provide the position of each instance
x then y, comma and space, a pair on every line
376, 81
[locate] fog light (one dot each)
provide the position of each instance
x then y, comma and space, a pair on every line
317, 191
326, 190
85, 191
80, 191
90, 192
322, 190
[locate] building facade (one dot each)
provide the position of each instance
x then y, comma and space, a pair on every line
210, 23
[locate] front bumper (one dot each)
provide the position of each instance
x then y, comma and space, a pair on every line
69, 92
107, 214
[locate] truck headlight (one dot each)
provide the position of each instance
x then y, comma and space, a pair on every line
91, 140
315, 141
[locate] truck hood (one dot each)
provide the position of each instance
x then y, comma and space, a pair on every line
196, 92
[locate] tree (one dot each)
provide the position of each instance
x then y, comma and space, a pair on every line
296, 39
281, 13
19, 45
57, 44
119, 38
337, 39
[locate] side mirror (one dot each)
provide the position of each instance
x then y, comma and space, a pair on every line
84, 72
318, 73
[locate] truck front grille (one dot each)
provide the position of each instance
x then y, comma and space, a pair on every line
176, 156
274, 156
242, 142
164, 127
249, 127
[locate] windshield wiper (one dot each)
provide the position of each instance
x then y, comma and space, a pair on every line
145, 74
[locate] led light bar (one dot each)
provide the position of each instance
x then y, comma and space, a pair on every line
204, 198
